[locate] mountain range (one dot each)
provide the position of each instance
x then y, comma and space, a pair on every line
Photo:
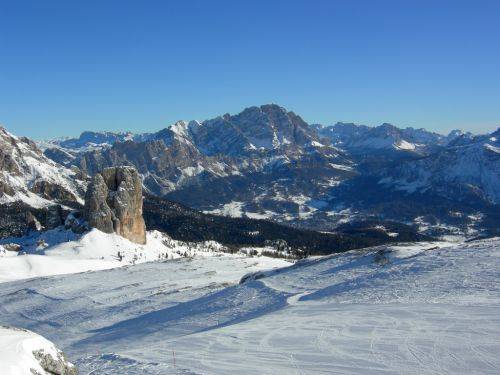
268, 163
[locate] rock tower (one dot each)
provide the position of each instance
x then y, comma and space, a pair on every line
113, 203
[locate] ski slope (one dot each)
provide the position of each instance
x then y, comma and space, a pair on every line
428, 308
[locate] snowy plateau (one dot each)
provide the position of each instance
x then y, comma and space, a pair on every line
417, 308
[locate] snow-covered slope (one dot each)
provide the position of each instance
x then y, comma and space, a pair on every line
427, 308
60, 251
29, 176
25, 352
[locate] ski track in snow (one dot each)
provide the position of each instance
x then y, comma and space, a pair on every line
433, 309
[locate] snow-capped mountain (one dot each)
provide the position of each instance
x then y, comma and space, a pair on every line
256, 128
266, 162
264, 128
41, 199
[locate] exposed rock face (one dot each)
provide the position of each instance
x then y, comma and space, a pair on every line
113, 203
52, 191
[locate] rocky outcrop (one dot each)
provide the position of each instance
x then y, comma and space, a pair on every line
113, 203
57, 365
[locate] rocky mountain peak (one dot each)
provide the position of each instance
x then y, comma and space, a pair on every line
271, 126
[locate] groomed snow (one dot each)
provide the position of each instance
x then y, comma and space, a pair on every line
429, 308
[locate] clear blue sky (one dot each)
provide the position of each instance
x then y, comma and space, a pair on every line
66, 66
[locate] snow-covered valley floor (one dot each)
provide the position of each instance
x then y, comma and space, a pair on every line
422, 308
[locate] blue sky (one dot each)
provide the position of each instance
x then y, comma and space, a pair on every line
66, 66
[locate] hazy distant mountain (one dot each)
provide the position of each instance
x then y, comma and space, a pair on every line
362, 139
469, 166
90, 140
